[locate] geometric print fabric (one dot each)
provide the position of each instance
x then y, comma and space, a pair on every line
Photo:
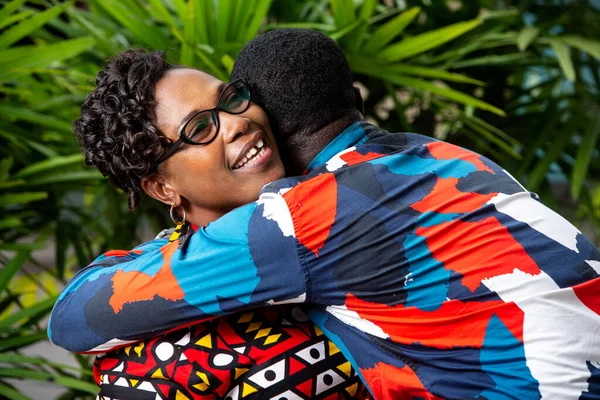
264, 354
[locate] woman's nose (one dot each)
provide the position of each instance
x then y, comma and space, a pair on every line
233, 126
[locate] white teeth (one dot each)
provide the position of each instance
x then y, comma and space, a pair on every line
257, 151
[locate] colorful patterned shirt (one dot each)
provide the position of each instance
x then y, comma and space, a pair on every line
270, 353
431, 269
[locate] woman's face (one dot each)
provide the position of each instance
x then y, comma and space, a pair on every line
209, 179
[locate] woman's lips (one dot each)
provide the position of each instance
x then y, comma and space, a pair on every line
258, 155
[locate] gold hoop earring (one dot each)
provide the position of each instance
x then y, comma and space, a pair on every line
171, 212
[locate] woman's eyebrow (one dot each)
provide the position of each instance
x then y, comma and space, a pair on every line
195, 111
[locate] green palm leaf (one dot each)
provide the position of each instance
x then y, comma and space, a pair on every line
51, 164
9, 270
365, 66
261, 9
418, 44
389, 31
10, 393
357, 37
564, 58
28, 26
131, 16
225, 15
22, 198
73, 383
526, 37
592, 47
405, 81
13, 113
19, 61
584, 158
161, 13
9, 8
42, 307
343, 11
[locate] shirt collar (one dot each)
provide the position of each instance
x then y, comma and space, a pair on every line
353, 135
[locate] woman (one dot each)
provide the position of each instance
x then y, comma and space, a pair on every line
201, 147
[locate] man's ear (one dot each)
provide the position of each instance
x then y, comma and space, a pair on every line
159, 188
358, 102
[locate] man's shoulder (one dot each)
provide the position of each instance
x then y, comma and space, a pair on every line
377, 147
404, 153
418, 152
377, 144
391, 142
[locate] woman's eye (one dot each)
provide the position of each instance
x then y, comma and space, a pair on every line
233, 99
199, 130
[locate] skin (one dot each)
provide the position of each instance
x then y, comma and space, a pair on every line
202, 179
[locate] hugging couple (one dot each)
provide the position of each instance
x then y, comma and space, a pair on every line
315, 255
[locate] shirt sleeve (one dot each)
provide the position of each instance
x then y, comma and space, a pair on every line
246, 259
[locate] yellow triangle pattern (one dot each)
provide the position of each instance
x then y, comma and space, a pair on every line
262, 333
352, 389
205, 341
346, 368
127, 350
248, 390
245, 317
181, 396
253, 326
158, 374
134, 382
272, 339
201, 386
240, 371
318, 331
333, 349
202, 376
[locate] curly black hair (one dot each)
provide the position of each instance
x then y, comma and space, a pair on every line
117, 130
300, 77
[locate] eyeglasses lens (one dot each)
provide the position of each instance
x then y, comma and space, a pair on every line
235, 98
202, 128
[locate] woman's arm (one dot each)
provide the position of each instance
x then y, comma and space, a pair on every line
248, 258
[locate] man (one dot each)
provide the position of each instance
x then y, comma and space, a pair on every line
429, 266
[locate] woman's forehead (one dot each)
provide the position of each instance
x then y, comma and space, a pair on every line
181, 91
183, 83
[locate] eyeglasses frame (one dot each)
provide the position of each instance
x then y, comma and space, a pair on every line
215, 115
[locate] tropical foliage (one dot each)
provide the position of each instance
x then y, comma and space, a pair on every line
516, 81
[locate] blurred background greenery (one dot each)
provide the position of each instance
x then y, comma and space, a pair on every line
517, 81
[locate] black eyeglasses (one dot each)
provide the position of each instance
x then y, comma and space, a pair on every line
203, 127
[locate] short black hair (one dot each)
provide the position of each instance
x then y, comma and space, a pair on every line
300, 77
117, 130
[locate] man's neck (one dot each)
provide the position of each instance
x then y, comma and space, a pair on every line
299, 150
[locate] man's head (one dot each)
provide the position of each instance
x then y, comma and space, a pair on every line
303, 81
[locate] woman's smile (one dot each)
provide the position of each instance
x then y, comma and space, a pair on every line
255, 154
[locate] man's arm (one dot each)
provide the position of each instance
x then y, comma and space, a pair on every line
246, 259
